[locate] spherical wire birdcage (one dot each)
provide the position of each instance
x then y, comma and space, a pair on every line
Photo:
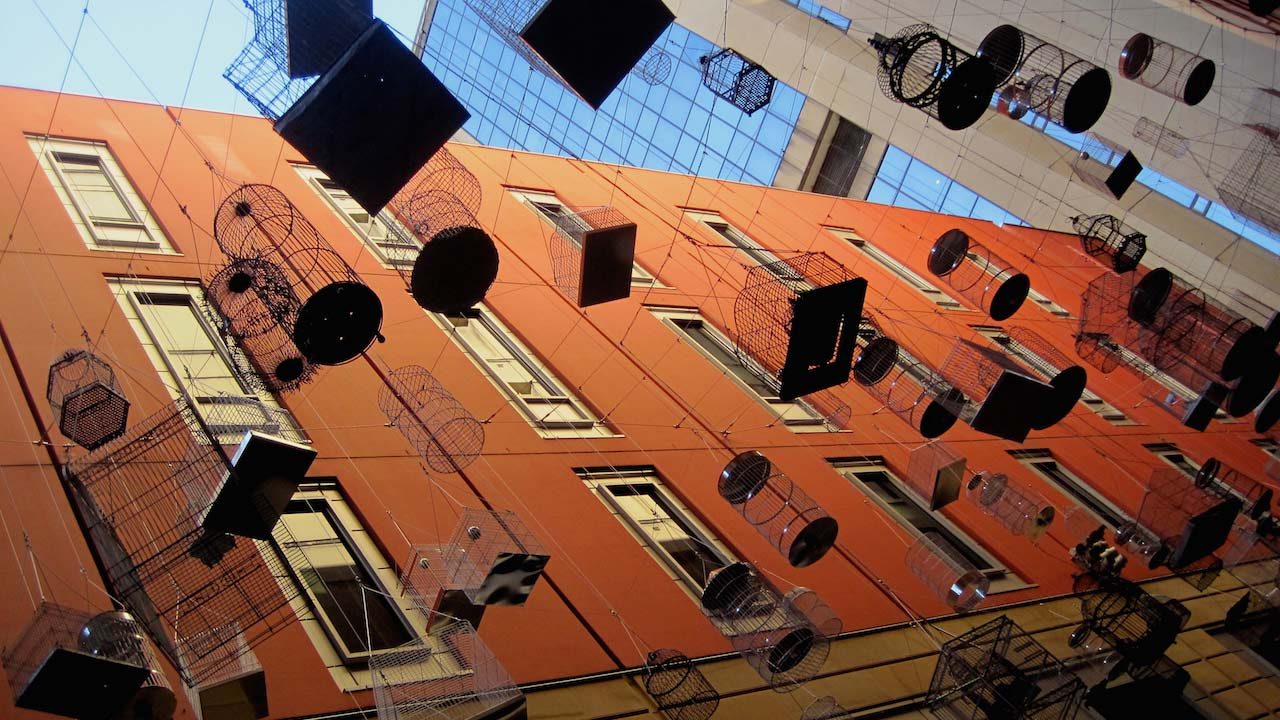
655, 66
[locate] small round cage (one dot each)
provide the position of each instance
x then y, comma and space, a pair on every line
1022, 511
908, 387
679, 689
1167, 69
116, 635
978, 274
942, 569
782, 512
83, 392
1035, 76
258, 310
458, 261
824, 708
982, 374
339, 316
1112, 242
737, 80
437, 426
1169, 142
655, 66
919, 68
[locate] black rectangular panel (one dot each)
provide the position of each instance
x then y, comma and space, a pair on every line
1123, 175
1205, 533
1013, 402
607, 259
78, 685
319, 31
824, 330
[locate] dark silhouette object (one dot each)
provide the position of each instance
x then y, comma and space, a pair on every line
919, 68
91, 408
737, 80
780, 510
678, 687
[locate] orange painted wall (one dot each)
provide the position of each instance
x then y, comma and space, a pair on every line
672, 408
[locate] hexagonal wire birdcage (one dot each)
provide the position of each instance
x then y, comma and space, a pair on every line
1118, 246
1167, 69
445, 435
82, 391
678, 687
1021, 510
1036, 76
793, 523
737, 80
908, 387
919, 68
978, 274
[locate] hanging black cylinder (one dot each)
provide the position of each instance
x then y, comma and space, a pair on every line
338, 316
919, 68
1036, 76
1110, 241
977, 273
258, 309
908, 387
1167, 69
781, 511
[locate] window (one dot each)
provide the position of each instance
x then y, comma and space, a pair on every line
382, 233
907, 275
1048, 304
1043, 462
871, 476
196, 365
1172, 455
740, 240
830, 17
103, 205
548, 406
797, 414
658, 521
555, 212
1268, 446
905, 181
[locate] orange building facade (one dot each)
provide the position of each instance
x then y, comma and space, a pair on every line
605, 429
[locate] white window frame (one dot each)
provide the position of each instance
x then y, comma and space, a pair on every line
1081, 492
1269, 446
590, 426
150, 238
1049, 305
811, 420
926, 289
532, 199
724, 231
317, 180
1002, 578
1173, 456
600, 480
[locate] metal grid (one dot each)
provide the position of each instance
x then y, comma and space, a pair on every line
449, 675
220, 656
1113, 243
229, 417
918, 68
1169, 142
53, 627
338, 316
443, 172
1105, 326
909, 388
568, 241
783, 513
978, 274
732, 77
1021, 510
1171, 511
182, 583
936, 473
998, 670
91, 408
1034, 75
1131, 621
952, 578
493, 557
679, 689
437, 426
655, 66
1252, 187
1167, 69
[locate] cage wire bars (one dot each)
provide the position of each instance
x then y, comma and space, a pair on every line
678, 687
445, 435
909, 388
978, 274
918, 68
1036, 76
793, 523
592, 255
737, 80
85, 396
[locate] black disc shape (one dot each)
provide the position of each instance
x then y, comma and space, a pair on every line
1252, 388
791, 650
1208, 472
1269, 414
290, 370
813, 542
1199, 82
1002, 49
727, 586
875, 361
1068, 386
1086, 100
1149, 294
239, 282
1136, 55
937, 417
1009, 297
966, 94
948, 251
1247, 354
337, 323
454, 270
744, 476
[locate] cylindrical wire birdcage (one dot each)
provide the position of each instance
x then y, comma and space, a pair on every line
1021, 510
679, 689
117, 636
1105, 327
1252, 186
339, 316
737, 80
952, 578
655, 66
1167, 69
258, 310
919, 68
784, 638
976, 370
443, 172
824, 708
978, 274
908, 387
1114, 243
458, 261
444, 434
1225, 480
91, 408
1167, 141
1036, 76
780, 510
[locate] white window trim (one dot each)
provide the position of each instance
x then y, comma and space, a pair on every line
1030, 456
814, 423
314, 177
926, 289
640, 276
155, 239
754, 251
1002, 578
1165, 451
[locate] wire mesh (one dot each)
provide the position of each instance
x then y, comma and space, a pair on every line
180, 581
908, 387
1167, 69
443, 172
1201, 573
1115, 244
783, 513
823, 708
116, 635
1132, 622
677, 687
786, 639
1226, 481
655, 66
458, 261
952, 578
917, 67
1189, 521
1021, 510
737, 80
978, 274
1105, 328
998, 670
339, 316
1252, 186
1169, 142
935, 472
1036, 76
437, 426
592, 255
229, 417
218, 657
493, 557
980, 372
82, 391
450, 674
257, 310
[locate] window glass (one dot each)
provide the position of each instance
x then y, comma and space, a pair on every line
1043, 462
382, 233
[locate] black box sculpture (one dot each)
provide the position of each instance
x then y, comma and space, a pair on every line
978, 274
1189, 521
592, 255
91, 408
919, 68
318, 31
1004, 400
1167, 69
782, 512
1036, 76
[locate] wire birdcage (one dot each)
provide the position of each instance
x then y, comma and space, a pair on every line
1201, 573
1225, 481
737, 80
257, 311
952, 578
223, 660
1093, 166
443, 172
793, 523
451, 674
1105, 328
91, 408
1167, 69
655, 66
1252, 186
593, 255
437, 426
978, 274
1020, 509
1189, 521
177, 578
1008, 401
493, 557
677, 687
229, 417
1115, 244
785, 638
908, 387
918, 68
1131, 621
427, 584
116, 635
339, 316
1035, 76
998, 670
796, 319
1169, 142
823, 708
936, 473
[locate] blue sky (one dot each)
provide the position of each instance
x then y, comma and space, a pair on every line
159, 38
